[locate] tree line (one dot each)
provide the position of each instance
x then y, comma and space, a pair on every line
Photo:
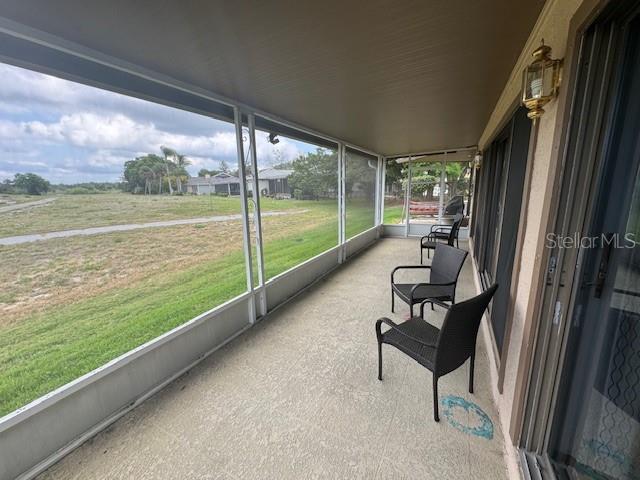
34, 184
153, 173
27, 183
425, 178
315, 175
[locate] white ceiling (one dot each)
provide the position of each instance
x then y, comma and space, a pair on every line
391, 76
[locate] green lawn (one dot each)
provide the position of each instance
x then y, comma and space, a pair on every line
392, 214
361, 215
56, 345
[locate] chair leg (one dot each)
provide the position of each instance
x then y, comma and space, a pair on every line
421, 249
379, 360
471, 369
436, 416
411, 311
393, 301
428, 253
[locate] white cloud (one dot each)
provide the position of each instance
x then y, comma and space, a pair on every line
9, 130
28, 164
119, 132
106, 158
71, 132
6, 107
20, 84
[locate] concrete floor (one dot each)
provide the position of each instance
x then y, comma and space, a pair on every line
297, 397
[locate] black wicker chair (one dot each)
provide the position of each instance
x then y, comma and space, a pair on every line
440, 233
439, 350
441, 284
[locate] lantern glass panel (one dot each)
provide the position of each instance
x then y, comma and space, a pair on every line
534, 82
548, 80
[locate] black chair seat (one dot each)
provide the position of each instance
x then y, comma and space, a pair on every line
439, 292
420, 329
429, 243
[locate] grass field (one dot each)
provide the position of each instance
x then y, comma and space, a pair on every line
70, 305
392, 214
98, 210
6, 199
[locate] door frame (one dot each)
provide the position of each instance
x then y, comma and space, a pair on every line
576, 168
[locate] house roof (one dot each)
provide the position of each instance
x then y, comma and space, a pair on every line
274, 173
220, 179
393, 77
224, 178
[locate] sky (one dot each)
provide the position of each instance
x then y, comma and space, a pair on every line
72, 133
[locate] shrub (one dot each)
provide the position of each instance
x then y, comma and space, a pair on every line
80, 191
31, 183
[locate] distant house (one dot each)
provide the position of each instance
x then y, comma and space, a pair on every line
273, 182
222, 183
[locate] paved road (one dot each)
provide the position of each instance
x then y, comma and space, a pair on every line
20, 206
36, 237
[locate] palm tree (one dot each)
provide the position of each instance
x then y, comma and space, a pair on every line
159, 170
149, 175
168, 153
181, 163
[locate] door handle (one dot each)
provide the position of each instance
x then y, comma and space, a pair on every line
603, 268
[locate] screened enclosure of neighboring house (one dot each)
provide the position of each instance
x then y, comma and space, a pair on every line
428, 190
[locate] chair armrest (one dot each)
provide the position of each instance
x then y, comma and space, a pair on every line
440, 228
428, 284
397, 328
418, 285
407, 267
434, 301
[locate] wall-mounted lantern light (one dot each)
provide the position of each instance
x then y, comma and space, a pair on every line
541, 80
273, 138
477, 160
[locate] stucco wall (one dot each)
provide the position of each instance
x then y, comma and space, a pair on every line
553, 26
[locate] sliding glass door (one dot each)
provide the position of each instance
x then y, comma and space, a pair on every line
596, 428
